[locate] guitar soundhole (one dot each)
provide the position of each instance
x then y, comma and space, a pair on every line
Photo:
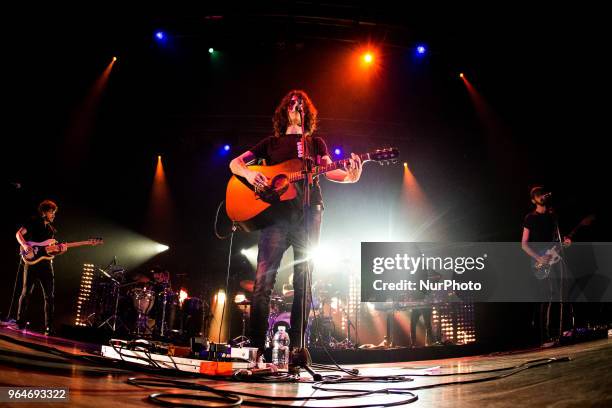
278, 186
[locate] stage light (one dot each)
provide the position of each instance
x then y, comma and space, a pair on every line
461, 75
161, 248
182, 296
220, 296
368, 57
421, 50
335, 303
224, 149
337, 151
160, 35
219, 324
114, 59
405, 164
251, 255
211, 50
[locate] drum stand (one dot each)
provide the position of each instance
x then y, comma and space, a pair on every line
114, 318
141, 324
242, 340
347, 343
163, 327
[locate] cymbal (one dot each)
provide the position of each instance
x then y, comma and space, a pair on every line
245, 302
287, 293
247, 285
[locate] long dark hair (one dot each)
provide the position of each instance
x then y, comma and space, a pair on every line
280, 119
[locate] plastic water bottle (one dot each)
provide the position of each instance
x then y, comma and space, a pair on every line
280, 348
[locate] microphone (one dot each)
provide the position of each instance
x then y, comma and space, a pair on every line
546, 196
300, 104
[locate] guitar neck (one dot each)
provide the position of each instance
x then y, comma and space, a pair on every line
317, 170
77, 244
585, 221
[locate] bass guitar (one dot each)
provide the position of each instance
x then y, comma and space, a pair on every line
50, 248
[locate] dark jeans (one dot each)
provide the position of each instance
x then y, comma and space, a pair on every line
273, 242
414, 321
32, 274
548, 289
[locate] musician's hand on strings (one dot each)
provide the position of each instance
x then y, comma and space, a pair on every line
543, 260
353, 171
26, 249
567, 241
63, 248
257, 179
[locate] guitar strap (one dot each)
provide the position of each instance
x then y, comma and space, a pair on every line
52, 228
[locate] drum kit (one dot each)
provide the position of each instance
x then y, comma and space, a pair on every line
143, 308
324, 322
280, 310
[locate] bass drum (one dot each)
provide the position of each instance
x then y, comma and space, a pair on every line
276, 320
282, 319
193, 314
165, 312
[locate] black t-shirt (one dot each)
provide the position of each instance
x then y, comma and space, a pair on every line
38, 231
275, 150
541, 227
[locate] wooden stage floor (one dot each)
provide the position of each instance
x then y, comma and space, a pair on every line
583, 381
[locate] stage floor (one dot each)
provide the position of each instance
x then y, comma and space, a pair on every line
585, 380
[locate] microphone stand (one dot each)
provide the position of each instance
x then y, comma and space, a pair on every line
300, 357
561, 270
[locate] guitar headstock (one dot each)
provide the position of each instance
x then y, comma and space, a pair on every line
385, 156
95, 241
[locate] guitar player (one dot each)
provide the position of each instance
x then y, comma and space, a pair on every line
38, 229
289, 230
540, 229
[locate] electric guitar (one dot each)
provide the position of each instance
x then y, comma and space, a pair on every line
541, 270
50, 248
246, 203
